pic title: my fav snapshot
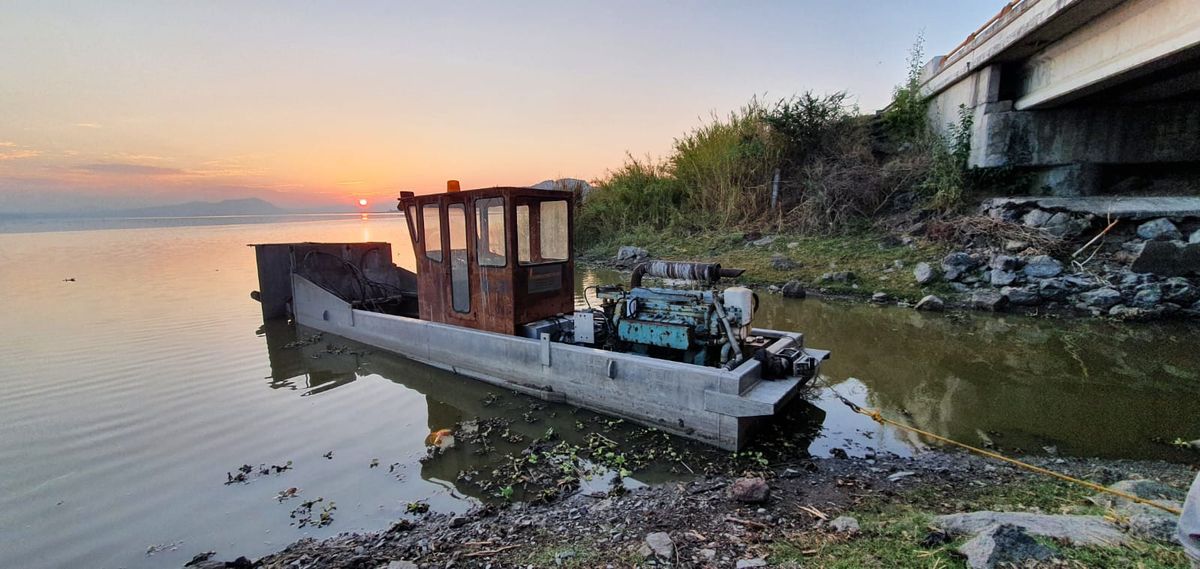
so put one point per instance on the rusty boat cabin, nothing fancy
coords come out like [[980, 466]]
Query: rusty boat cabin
[[494, 258], [493, 299]]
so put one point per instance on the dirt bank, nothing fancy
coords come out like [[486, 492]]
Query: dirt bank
[[703, 523]]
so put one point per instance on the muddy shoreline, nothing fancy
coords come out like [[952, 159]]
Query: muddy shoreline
[[713, 522]]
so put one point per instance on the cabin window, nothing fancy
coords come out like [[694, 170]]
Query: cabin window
[[410, 216], [553, 233], [489, 232], [523, 249], [460, 285], [432, 223]]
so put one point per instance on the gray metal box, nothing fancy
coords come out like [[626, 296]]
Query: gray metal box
[[585, 328]]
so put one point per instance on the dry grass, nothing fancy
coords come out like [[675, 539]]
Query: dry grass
[[983, 230]]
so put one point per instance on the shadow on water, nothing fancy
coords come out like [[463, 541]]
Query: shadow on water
[[313, 363]]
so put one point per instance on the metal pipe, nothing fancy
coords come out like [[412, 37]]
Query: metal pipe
[[699, 272], [737, 348]]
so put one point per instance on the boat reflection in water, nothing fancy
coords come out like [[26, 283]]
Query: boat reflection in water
[[304, 360]]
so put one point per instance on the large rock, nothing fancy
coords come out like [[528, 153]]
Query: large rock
[[1004, 262], [1159, 229], [1036, 218], [1021, 296], [751, 490], [1194, 237], [1074, 530], [988, 300], [924, 273], [1168, 259], [1001, 277], [1053, 289], [1148, 295], [956, 264], [1102, 298], [1065, 225], [1043, 267], [660, 544], [1143, 520], [1003, 545], [631, 254], [931, 303], [1180, 291], [793, 289]]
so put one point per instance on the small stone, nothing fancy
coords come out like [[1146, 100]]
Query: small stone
[[1052, 289], [1000, 277], [1042, 267], [750, 563], [1003, 545], [708, 554], [763, 242], [988, 300], [1160, 229], [401, 565], [660, 545], [880, 298], [751, 490], [793, 289], [1102, 298], [838, 276], [1180, 291], [793, 244], [630, 253], [1194, 237], [781, 263], [1015, 246], [1004, 263], [958, 263], [923, 273], [1036, 218], [844, 524], [931, 303]]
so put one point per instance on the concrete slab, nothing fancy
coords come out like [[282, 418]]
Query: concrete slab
[[1117, 207]]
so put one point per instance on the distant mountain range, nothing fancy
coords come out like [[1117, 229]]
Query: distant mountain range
[[248, 206]]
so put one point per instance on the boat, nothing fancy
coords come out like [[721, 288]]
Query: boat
[[493, 299]]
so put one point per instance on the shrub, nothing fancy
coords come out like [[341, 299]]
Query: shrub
[[906, 117], [726, 166], [640, 193]]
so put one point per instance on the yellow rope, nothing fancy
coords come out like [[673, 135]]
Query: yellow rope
[[879, 418]]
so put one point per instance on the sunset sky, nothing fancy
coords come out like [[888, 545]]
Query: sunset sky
[[125, 104]]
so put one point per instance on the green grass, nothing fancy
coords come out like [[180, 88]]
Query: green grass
[[892, 532], [867, 255]]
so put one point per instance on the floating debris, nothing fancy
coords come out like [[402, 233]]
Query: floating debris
[[174, 545], [244, 472], [417, 507], [287, 494], [304, 514]]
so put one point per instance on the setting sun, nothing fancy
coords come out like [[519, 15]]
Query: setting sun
[[362, 202]]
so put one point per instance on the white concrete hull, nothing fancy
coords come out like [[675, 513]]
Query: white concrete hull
[[707, 404]]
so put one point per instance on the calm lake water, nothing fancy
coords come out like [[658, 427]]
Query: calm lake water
[[127, 395]]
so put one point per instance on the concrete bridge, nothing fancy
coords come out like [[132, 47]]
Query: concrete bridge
[[1095, 96]]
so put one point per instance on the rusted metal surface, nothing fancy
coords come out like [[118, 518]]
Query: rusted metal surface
[[501, 297]]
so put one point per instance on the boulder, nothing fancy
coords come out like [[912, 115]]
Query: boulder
[[1042, 267], [931, 303], [1022, 296], [1160, 229], [1072, 529], [1053, 289], [793, 289], [751, 490], [1180, 291], [1004, 262], [988, 300], [1168, 258], [1148, 295], [1036, 218], [924, 273], [1003, 545], [660, 545], [844, 524], [956, 264], [1102, 298], [631, 254], [1001, 277], [781, 263]]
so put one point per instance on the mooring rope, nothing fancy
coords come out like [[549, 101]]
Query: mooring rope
[[879, 418]]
